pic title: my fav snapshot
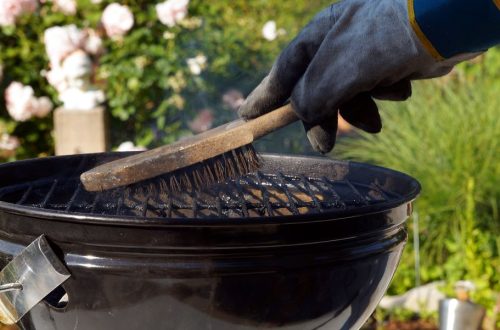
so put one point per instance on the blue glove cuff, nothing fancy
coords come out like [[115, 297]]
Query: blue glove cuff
[[452, 27]]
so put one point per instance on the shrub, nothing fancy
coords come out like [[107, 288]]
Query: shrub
[[447, 136], [151, 92]]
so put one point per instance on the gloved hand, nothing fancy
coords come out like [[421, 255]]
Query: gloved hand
[[350, 53]]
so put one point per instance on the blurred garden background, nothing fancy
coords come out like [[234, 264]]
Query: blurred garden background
[[167, 69]]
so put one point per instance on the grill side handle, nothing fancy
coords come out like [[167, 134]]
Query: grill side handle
[[28, 278]]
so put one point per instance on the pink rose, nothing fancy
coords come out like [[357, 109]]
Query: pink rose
[[41, 107], [172, 11], [8, 145], [22, 104], [18, 98], [67, 7], [10, 10], [93, 43], [60, 41], [202, 122], [117, 20], [28, 6], [233, 99], [8, 142]]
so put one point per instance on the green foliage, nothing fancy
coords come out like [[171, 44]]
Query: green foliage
[[151, 94], [447, 136], [400, 314]]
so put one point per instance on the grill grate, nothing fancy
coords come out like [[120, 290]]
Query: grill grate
[[255, 195]]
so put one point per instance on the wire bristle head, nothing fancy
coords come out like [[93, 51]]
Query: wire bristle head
[[229, 165]]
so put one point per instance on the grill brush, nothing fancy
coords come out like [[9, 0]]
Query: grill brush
[[195, 162]]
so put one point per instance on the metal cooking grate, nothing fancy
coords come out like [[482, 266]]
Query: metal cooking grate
[[254, 195]]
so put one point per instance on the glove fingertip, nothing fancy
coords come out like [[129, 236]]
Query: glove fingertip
[[322, 147], [323, 137], [362, 112], [372, 128]]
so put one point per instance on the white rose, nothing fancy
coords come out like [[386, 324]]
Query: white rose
[[197, 64], [172, 11], [61, 41], [129, 146], [117, 20], [271, 32]]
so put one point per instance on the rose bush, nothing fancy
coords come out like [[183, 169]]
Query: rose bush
[[164, 68]]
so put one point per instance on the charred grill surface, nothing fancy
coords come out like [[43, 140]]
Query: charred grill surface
[[285, 186], [254, 195]]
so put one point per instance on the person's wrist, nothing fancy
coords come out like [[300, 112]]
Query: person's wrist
[[454, 29], [419, 33]]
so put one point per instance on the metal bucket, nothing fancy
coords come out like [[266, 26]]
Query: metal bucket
[[460, 315]]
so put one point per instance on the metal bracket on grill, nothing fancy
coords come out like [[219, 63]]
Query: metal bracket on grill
[[28, 278]]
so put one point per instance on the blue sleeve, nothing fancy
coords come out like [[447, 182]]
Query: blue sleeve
[[451, 27]]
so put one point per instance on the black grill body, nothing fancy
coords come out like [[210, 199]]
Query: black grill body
[[306, 243]]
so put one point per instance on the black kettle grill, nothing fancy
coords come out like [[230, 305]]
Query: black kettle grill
[[305, 243]]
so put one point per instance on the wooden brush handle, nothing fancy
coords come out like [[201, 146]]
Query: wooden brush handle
[[184, 153], [271, 121]]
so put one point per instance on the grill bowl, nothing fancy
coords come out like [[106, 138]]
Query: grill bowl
[[307, 243]]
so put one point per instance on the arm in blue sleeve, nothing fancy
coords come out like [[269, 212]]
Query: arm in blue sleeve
[[452, 27]]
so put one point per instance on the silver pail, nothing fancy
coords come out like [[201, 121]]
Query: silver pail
[[460, 315]]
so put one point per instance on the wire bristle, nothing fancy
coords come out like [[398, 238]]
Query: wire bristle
[[229, 165]]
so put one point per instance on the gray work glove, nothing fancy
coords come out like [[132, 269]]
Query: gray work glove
[[350, 53]]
